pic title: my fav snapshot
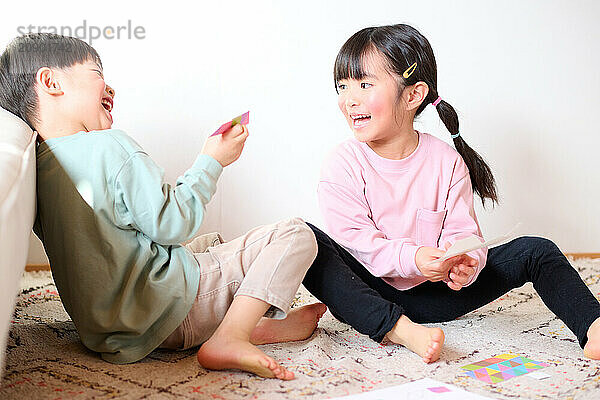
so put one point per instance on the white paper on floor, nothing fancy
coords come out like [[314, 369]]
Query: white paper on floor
[[538, 375], [422, 389]]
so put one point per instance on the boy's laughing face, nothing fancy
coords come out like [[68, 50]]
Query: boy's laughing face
[[88, 100]]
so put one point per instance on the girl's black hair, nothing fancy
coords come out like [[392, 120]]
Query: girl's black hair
[[401, 46], [24, 56]]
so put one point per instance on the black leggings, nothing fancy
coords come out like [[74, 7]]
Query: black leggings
[[372, 307]]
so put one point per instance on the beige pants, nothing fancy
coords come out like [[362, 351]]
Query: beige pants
[[267, 263]]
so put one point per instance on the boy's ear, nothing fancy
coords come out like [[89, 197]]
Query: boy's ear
[[47, 81], [416, 95]]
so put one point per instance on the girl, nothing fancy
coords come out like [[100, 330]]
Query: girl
[[392, 196]]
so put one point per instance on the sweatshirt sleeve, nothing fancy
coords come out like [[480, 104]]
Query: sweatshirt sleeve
[[461, 221], [348, 219], [167, 215]]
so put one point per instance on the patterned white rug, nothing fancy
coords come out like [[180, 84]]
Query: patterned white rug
[[45, 358]]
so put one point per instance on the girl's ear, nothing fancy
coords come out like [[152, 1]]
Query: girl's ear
[[416, 94], [47, 81]]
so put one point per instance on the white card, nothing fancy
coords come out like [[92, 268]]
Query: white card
[[537, 375], [471, 243]]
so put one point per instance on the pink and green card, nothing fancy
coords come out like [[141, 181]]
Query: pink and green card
[[240, 119], [502, 368]]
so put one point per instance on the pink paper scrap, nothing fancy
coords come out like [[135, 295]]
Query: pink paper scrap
[[241, 119], [439, 389]]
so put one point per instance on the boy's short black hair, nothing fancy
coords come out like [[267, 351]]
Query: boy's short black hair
[[24, 56]]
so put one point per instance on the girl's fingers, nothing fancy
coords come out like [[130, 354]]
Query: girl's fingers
[[457, 260], [462, 269], [470, 260], [467, 270], [449, 264], [455, 278], [464, 259], [460, 279], [460, 275]]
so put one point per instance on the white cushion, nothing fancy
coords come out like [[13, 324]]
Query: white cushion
[[17, 212]]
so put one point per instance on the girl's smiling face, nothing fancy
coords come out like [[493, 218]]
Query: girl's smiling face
[[371, 104]]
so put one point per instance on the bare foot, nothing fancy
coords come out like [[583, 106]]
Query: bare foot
[[592, 347], [299, 324], [426, 342], [226, 353]]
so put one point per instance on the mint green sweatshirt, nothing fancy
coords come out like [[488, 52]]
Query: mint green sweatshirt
[[112, 229]]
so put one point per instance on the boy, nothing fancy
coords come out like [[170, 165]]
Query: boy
[[112, 229]]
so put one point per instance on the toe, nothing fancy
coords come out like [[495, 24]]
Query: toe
[[265, 362], [273, 366], [280, 372], [288, 375]]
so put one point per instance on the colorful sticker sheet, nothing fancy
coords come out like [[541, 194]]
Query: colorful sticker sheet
[[240, 119], [502, 368]]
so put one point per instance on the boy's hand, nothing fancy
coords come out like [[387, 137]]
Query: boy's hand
[[226, 148]]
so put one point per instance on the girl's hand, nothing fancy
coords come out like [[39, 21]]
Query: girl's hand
[[462, 270], [226, 148], [433, 272], [461, 274], [456, 271]]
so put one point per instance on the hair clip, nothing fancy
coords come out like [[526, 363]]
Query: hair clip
[[409, 71]]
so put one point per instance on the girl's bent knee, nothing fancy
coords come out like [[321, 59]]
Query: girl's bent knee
[[542, 246], [539, 250]]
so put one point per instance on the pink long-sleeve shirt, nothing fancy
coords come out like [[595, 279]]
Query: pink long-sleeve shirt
[[382, 211]]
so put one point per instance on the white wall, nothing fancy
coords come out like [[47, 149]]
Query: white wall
[[523, 76]]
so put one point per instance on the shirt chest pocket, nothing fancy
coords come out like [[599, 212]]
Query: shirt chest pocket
[[429, 227]]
